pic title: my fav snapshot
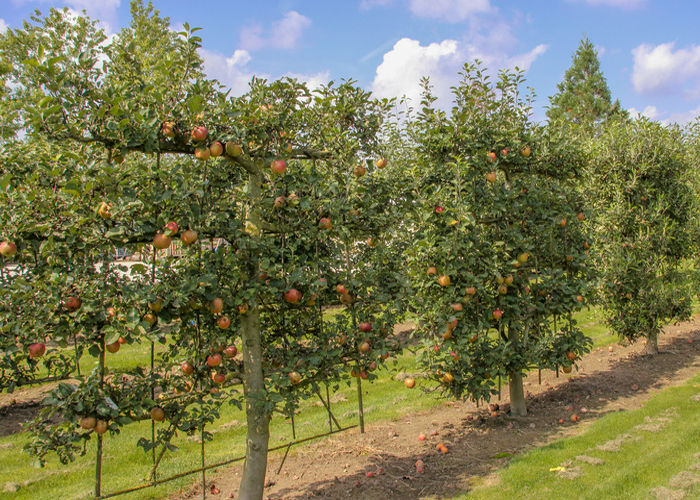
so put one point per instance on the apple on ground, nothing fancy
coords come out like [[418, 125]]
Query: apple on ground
[[410, 383]]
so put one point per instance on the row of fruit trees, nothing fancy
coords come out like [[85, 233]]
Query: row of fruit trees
[[487, 229]]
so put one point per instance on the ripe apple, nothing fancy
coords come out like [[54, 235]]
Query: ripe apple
[[571, 355], [150, 318], [218, 378], [278, 166], [566, 369], [410, 383], [456, 307], [508, 280], [454, 355], [168, 129], [295, 378], [448, 334], [586, 245], [72, 304], [492, 176], [101, 426], [223, 322], [188, 237], [325, 223], [157, 414], [293, 296], [161, 242], [122, 340], [231, 351], [198, 134], [353, 212], [470, 290], [569, 258], [447, 378], [472, 338], [522, 257], [561, 222], [202, 153], [157, 305], [365, 326], [525, 151], [103, 211], [279, 202], [173, 227], [113, 347], [359, 170], [341, 289], [8, 249], [364, 346], [579, 298], [491, 156], [187, 368], [497, 314], [574, 418], [444, 280], [381, 163], [88, 423], [345, 298], [216, 149], [452, 324], [214, 359], [37, 350], [111, 312], [233, 149], [439, 210], [432, 271], [216, 306], [243, 308]]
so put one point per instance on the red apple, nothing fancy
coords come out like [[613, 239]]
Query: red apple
[[364, 346], [279, 202], [471, 290], [410, 383], [325, 223], [341, 289], [439, 210], [113, 347], [233, 149], [456, 307], [173, 227], [37, 350], [216, 306], [187, 368], [581, 216], [381, 163], [157, 414], [294, 378], [293, 296], [101, 427], [8, 249], [199, 133], [218, 378], [214, 359], [365, 326], [491, 156], [497, 314], [278, 166], [359, 170], [188, 237], [223, 322], [444, 280], [492, 176], [72, 304], [216, 149], [202, 153], [231, 351], [161, 242]]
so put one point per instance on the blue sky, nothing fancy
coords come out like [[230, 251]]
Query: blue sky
[[649, 49]]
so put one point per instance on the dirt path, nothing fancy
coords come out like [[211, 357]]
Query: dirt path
[[337, 468]]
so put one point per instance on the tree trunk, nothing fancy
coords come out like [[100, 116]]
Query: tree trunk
[[257, 416], [652, 347], [515, 382]]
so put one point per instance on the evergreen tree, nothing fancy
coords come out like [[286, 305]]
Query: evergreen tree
[[584, 96]]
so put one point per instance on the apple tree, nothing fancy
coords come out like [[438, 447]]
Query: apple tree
[[499, 262], [638, 188], [282, 204]]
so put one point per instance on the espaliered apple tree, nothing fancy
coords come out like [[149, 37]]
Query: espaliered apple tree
[[499, 263], [280, 200], [638, 187]]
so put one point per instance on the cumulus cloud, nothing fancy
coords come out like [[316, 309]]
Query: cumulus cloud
[[652, 113], [403, 67], [662, 69], [103, 10], [622, 4], [231, 71], [649, 112], [283, 34], [3, 26], [313, 82]]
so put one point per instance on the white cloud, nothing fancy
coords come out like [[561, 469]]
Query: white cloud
[[103, 10], [652, 113], [231, 71], [660, 69], [283, 34], [649, 112], [3, 26], [312, 81], [402, 68], [622, 4]]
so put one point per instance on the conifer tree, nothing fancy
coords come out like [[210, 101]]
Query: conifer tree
[[583, 97]]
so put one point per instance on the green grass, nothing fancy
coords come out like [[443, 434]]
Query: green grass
[[640, 465], [126, 465]]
